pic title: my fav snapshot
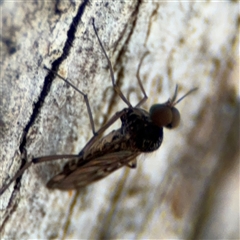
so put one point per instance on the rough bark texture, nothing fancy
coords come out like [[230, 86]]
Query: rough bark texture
[[189, 188]]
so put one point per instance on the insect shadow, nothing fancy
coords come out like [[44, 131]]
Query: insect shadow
[[140, 132]]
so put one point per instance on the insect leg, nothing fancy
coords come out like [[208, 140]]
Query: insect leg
[[35, 161], [83, 94], [145, 97], [18, 174], [53, 157], [116, 88]]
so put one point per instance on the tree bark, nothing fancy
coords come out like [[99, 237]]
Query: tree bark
[[177, 192]]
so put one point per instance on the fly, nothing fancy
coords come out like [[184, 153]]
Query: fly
[[141, 132]]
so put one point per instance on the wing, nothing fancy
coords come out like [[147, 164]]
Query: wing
[[78, 176]]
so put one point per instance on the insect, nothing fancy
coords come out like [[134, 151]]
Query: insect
[[140, 132]]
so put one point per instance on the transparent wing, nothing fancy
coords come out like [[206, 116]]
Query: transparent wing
[[75, 176]]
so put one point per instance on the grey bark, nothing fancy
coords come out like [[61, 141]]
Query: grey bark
[[177, 192]]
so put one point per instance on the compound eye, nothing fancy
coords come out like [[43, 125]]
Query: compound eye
[[175, 119], [161, 115]]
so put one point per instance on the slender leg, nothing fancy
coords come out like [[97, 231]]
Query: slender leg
[[145, 97], [116, 88], [85, 99], [18, 174]]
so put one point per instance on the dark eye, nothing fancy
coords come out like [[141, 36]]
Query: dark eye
[[161, 115]]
